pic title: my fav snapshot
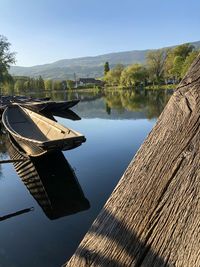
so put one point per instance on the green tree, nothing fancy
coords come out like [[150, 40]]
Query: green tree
[[57, 85], [27, 85], [33, 84], [8, 87], [133, 75], [183, 50], [106, 68], [19, 86], [113, 76], [177, 67], [155, 64], [168, 66], [70, 84], [48, 84], [6, 58], [188, 61], [40, 83], [175, 61]]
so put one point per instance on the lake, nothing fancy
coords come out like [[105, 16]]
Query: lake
[[48, 204]]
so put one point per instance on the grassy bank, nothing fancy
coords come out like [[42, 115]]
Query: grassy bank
[[158, 87]]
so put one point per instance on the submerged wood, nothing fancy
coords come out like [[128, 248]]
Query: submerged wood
[[152, 218]]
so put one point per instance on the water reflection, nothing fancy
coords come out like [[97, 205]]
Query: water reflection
[[115, 129], [149, 102], [3, 149], [66, 114], [115, 104], [14, 214], [51, 181], [123, 104]]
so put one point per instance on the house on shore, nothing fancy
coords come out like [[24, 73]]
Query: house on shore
[[89, 82]]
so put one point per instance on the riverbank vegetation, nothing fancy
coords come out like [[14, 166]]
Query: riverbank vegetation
[[162, 67], [6, 58]]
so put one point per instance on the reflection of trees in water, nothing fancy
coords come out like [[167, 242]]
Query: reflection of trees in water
[[3, 150], [84, 95], [113, 101], [156, 101], [87, 95], [133, 101], [108, 109], [147, 102], [150, 102]]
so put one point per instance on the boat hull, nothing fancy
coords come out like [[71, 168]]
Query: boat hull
[[36, 149], [49, 106]]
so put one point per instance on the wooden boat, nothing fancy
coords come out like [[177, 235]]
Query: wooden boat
[[37, 104], [22, 98], [37, 134], [49, 105]]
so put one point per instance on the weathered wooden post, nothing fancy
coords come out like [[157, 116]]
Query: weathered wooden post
[[153, 216]]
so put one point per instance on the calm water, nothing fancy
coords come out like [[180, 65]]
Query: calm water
[[65, 203]]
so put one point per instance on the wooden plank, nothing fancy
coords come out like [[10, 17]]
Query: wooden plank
[[152, 217]]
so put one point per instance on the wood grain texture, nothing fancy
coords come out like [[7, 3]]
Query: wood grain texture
[[152, 218]]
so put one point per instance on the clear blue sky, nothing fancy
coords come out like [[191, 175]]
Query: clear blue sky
[[43, 31]]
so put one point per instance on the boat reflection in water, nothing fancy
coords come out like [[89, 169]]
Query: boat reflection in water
[[66, 114], [16, 213], [51, 181]]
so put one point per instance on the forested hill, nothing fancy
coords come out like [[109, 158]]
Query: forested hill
[[83, 67]]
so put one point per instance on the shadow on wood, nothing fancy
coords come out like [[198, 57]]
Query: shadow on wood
[[152, 216], [121, 237]]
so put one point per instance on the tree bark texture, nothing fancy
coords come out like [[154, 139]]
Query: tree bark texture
[[152, 218]]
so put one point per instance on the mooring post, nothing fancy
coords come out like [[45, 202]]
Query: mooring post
[[152, 218]]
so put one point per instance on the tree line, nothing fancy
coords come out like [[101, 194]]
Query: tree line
[[162, 66], [20, 84], [6, 58]]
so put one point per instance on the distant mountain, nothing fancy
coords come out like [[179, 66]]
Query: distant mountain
[[84, 66]]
